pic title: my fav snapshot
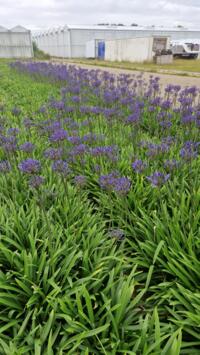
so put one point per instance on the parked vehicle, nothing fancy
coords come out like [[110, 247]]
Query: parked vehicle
[[185, 49]]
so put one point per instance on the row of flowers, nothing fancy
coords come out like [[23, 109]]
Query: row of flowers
[[98, 120]]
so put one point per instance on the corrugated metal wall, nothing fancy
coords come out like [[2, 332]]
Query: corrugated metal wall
[[71, 41], [15, 43]]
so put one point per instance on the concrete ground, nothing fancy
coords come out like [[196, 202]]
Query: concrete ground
[[165, 79]]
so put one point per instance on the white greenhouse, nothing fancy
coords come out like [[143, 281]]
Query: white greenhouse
[[73, 41], [15, 43]]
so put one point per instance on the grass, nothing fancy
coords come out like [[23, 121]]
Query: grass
[[67, 286], [179, 66]]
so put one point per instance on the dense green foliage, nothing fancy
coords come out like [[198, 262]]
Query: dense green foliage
[[66, 285]]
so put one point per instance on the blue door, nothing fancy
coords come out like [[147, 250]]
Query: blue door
[[101, 50]]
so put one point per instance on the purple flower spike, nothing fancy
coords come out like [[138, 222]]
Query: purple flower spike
[[122, 186], [30, 166], [35, 181], [166, 104], [53, 153], [80, 181], [156, 149], [58, 135], [42, 109], [110, 152], [13, 131], [16, 111], [112, 182], [78, 150], [189, 150], [9, 144], [27, 147], [108, 181], [28, 123], [61, 167], [139, 166], [74, 140], [158, 179], [5, 166], [117, 234]]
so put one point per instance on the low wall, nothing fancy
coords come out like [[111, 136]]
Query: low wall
[[164, 59]]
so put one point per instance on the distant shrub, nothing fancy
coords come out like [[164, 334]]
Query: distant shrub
[[38, 53]]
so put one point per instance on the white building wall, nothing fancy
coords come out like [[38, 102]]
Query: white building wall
[[131, 50], [60, 43], [51, 43], [57, 43], [66, 44], [90, 50]]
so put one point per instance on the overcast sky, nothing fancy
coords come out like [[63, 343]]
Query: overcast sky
[[36, 14]]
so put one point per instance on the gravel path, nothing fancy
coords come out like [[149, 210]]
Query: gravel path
[[165, 79]]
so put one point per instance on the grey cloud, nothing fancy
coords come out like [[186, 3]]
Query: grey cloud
[[47, 13]]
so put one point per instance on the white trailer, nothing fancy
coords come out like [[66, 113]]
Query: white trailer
[[186, 48]]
